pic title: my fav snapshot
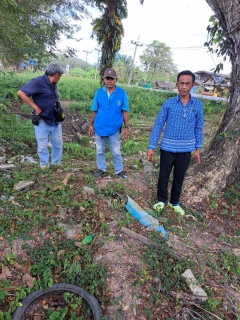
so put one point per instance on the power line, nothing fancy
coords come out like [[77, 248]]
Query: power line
[[126, 50], [137, 44], [87, 53], [126, 44], [184, 48], [98, 50]]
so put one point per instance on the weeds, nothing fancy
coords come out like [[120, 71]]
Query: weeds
[[233, 194], [34, 213]]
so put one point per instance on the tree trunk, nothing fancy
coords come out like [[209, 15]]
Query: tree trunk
[[220, 165]]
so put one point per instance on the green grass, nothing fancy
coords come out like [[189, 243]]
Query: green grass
[[36, 211], [141, 101]]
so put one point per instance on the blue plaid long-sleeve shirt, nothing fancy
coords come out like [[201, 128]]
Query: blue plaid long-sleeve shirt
[[183, 126]]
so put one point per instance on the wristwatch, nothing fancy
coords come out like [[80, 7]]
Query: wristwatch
[[127, 127]]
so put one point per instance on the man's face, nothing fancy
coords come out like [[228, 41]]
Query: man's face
[[110, 82], [184, 85], [56, 78]]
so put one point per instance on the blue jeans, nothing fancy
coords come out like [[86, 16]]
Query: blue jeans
[[114, 144], [42, 134]]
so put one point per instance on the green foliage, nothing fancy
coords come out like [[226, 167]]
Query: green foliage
[[82, 107], [33, 28], [213, 107], [157, 62], [230, 264], [122, 68], [146, 102], [77, 72], [161, 264], [108, 30], [59, 260], [212, 304], [232, 194], [141, 101], [77, 89], [75, 150], [17, 133], [73, 62], [131, 147], [217, 37], [73, 303], [10, 83], [69, 269]]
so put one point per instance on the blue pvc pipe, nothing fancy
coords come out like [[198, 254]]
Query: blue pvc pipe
[[143, 217]]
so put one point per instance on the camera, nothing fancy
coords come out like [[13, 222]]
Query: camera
[[36, 119]]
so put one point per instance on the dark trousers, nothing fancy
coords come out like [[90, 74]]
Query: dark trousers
[[168, 160]]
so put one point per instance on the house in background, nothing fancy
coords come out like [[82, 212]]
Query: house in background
[[211, 83], [165, 85], [198, 86], [206, 75]]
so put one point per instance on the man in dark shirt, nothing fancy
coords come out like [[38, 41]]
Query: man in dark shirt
[[42, 104]]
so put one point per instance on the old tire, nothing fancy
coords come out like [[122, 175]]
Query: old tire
[[59, 289]]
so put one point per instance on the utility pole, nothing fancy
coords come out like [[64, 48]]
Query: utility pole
[[136, 45], [87, 52], [98, 50]]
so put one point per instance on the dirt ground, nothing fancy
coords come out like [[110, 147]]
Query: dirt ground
[[122, 264], [204, 235]]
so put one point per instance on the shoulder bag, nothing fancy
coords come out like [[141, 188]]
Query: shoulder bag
[[57, 107]]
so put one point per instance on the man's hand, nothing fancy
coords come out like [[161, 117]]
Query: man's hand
[[90, 130], [125, 133], [150, 154], [196, 156], [37, 110]]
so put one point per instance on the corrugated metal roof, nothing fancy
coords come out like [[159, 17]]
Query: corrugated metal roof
[[213, 74], [166, 85]]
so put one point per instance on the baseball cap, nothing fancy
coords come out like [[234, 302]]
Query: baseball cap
[[110, 73]]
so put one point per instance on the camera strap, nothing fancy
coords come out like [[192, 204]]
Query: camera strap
[[52, 91]]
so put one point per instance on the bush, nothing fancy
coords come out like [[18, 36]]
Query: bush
[[141, 101]]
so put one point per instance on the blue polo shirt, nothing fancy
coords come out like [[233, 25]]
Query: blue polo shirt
[[183, 126], [109, 117], [40, 92]]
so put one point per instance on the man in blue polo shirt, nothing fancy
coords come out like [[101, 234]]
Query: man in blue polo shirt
[[109, 111], [182, 117], [42, 104]]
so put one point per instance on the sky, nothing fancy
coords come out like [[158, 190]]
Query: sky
[[180, 24]]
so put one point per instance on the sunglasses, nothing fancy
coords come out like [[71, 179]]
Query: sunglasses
[[109, 78]]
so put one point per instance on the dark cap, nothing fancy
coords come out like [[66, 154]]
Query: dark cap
[[110, 73]]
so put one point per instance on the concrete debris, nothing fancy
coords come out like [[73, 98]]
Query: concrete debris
[[28, 159], [113, 224], [236, 251], [3, 160], [194, 285], [84, 127], [78, 137], [4, 167], [2, 150], [147, 166], [88, 190], [71, 232], [23, 185], [62, 212]]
